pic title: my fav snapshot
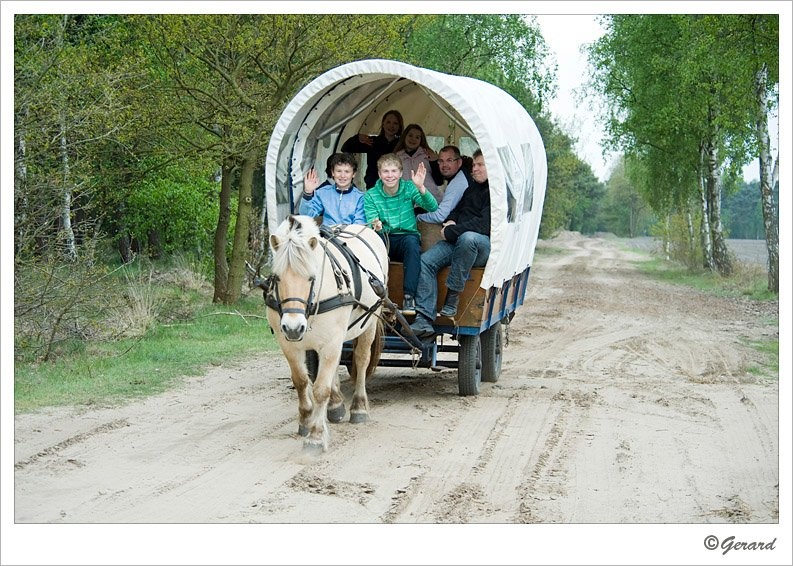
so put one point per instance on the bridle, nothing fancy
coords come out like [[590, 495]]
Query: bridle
[[273, 297], [348, 284]]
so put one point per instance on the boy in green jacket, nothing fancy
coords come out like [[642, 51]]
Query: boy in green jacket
[[388, 207]]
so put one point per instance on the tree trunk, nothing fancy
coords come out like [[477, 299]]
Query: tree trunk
[[221, 231], [20, 186], [721, 255], [704, 227], [124, 248], [70, 248], [767, 182], [240, 249], [692, 237], [154, 244]]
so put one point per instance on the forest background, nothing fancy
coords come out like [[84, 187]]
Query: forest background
[[141, 138]]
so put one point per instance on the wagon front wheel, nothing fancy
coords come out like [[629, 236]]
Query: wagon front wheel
[[492, 350], [469, 365]]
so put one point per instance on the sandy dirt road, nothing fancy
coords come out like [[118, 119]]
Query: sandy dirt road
[[622, 400]]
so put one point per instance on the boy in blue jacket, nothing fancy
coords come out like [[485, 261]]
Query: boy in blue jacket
[[339, 202]]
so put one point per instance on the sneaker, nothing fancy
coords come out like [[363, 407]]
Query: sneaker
[[422, 326], [409, 306], [450, 304]]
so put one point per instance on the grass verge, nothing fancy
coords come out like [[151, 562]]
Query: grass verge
[[111, 372], [747, 280], [770, 351]]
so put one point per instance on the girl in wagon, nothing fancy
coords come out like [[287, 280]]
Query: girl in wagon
[[413, 149]]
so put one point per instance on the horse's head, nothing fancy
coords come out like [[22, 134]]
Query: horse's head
[[295, 270]]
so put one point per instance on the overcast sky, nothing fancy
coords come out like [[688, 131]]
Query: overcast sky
[[565, 35]]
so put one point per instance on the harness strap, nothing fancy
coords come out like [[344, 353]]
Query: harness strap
[[352, 261], [355, 288]]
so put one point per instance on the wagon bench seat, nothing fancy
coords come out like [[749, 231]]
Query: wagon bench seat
[[471, 311]]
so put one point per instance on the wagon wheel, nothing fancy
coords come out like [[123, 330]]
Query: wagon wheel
[[312, 364], [469, 365], [492, 351]]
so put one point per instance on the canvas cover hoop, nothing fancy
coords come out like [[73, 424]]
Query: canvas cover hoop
[[352, 98]]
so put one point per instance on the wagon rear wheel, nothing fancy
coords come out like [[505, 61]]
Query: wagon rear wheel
[[469, 365], [492, 349]]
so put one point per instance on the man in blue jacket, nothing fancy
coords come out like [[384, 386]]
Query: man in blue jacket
[[465, 244], [339, 202]]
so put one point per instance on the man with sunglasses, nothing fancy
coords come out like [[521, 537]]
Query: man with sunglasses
[[450, 164]]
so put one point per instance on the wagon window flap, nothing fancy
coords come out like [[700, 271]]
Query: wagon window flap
[[519, 179]]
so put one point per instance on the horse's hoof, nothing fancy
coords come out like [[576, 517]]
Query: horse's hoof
[[336, 415], [302, 430], [312, 449], [358, 418]]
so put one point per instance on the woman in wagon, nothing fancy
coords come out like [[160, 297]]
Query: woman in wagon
[[389, 209], [465, 244], [413, 149], [339, 202], [376, 146]]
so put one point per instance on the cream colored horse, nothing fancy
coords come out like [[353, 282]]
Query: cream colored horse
[[318, 298]]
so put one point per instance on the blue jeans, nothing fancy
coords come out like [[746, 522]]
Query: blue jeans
[[470, 250], [407, 249]]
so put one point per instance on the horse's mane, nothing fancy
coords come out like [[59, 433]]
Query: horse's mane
[[294, 250]]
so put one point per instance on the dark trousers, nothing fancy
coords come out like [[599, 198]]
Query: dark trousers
[[407, 249]]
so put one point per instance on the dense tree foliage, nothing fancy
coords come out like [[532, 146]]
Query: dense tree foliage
[[682, 97], [506, 50]]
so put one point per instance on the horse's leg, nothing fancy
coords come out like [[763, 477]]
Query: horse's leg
[[317, 440], [336, 409], [305, 400], [359, 409]]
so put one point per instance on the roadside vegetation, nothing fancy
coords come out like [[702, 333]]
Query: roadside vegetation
[[154, 324], [747, 280]]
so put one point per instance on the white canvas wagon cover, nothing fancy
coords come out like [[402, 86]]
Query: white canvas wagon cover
[[352, 98]]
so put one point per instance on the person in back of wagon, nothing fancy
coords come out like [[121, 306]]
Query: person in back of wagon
[[339, 202], [465, 244], [450, 163], [389, 209], [413, 149], [376, 146]]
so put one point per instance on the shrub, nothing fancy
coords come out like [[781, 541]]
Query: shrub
[[180, 208]]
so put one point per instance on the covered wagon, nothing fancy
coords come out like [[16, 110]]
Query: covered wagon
[[461, 111]]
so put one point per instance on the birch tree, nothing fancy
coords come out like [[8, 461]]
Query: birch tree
[[680, 95]]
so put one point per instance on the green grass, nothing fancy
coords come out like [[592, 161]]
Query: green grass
[[747, 281], [549, 250], [111, 372], [770, 349]]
